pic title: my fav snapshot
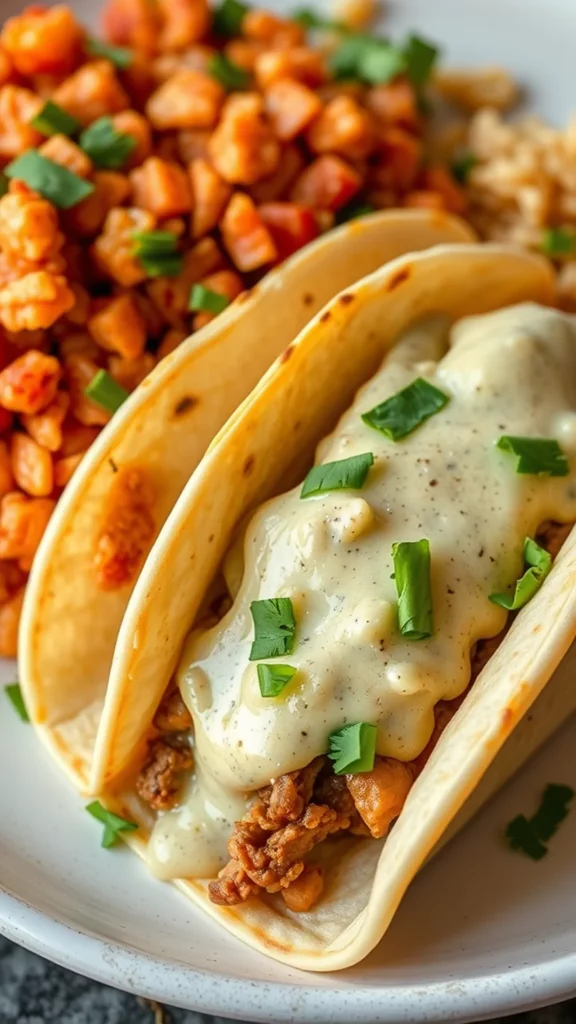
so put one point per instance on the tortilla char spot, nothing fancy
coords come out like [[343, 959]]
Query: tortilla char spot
[[347, 298], [325, 317], [399, 278], [210, 538], [248, 465], [537, 628], [286, 354], [307, 298], [297, 425], [184, 405]]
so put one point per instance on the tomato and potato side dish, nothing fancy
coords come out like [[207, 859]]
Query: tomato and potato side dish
[[150, 178]]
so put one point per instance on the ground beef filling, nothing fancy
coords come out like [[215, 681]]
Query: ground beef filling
[[297, 811]]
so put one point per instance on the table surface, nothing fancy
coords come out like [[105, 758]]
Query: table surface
[[33, 991]]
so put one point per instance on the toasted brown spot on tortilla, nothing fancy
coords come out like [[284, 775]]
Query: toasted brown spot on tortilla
[[325, 317], [248, 465], [184, 405], [307, 298], [398, 278], [210, 538], [347, 298], [286, 354], [537, 628]]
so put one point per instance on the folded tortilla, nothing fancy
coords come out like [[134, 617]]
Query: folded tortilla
[[131, 477], [267, 446]]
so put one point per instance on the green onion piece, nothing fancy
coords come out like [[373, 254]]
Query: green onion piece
[[274, 628], [412, 577], [530, 835], [203, 300], [3, 184], [420, 57], [228, 18], [228, 74], [406, 410], [107, 148], [52, 120], [380, 63], [344, 475], [157, 252], [106, 392], [14, 694], [310, 19], [540, 562], [113, 823], [552, 811], [521, 836], [56, 183], [352, 210], [462, 165], [273, 678], [353, 748], [344, 61], [119, 56], [558, 242], [539, 456]]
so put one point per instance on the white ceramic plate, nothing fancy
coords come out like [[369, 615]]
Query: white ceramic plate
[[482, 931]]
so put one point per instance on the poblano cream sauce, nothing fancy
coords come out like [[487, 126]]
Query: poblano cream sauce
[[511, 372]]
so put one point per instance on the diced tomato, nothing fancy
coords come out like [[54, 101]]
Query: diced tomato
[[327, 184], [290, 225], [246, 237], [291, 107]]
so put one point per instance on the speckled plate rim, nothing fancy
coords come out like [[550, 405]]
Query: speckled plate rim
[[485, 997]]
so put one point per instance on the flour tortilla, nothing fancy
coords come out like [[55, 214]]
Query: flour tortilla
[[69, 624], [265, 447]]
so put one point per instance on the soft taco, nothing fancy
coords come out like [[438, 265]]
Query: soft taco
[[118, 500], [305, 692]]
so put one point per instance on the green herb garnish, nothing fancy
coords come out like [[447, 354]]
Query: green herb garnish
[[52, 120], [113, 823], [406, 410], [228, 74], [310, 20], [558, 242], [203, 300], [106, 391], [462, 165], [344, 61], [107, 148], [274, 628], [344, 475], [157, 252], [55, 183], [273, 678], [119, 56], [353, 748], [539, 456], [420, 57], [376, 61], [380, 63], [14, 694], [228, 18], [540, 562], [412, 577], [352, 210], [530, 834]]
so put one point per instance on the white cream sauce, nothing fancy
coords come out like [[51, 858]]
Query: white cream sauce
[[510, 372]]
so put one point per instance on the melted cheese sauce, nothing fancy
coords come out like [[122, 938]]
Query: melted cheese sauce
[[510, 372]]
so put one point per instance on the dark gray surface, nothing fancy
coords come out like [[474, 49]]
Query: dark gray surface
[[33, 991]]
